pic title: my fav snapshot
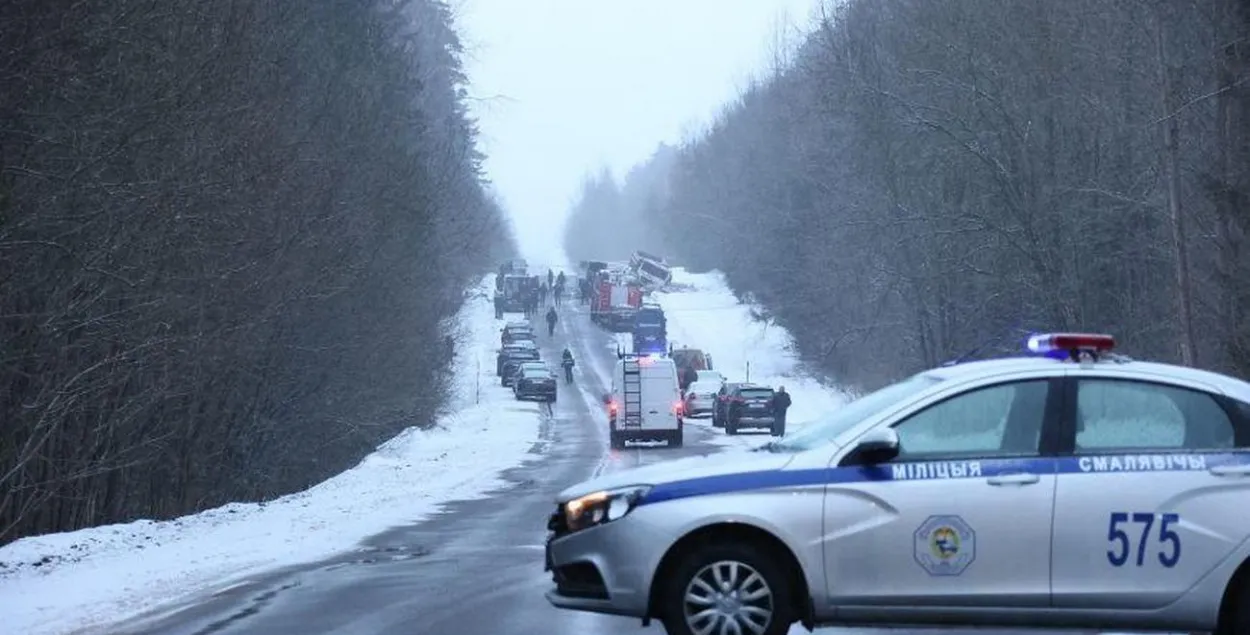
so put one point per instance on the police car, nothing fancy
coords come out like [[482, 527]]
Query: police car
[[1074, 488]]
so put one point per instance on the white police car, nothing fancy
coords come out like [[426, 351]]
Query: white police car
[[1076, 488]]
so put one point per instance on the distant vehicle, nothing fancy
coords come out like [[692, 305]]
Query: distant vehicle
[[615, 304], [516, 331], [644, 403], [701, 398], [710, 376], [513, 291], [720, 410], [1075, 489], [514, 354], [534, 381], [689, 358], [750, 406], [652, 271], [650, 330]]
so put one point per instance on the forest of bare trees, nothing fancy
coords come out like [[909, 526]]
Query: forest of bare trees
[[588, 237], [922, 178], [229, 233]]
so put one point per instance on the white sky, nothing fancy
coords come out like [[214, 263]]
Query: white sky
[[564, 87]]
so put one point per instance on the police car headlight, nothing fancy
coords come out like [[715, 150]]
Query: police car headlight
[[603, 507]]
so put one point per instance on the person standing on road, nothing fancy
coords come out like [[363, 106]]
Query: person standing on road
[[542, 294], [551, 321], [567, 362], [551, 277], [559, 293], [781, 403]]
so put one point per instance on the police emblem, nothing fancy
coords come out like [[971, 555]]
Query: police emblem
[[945, 545]]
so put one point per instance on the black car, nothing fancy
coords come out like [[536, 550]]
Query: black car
[[533, 382], [720, 410], [512, 369], [511, 364], [523, 350], [749, 406], [515, 332]]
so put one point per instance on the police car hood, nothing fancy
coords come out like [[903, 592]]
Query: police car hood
[[679, 470]]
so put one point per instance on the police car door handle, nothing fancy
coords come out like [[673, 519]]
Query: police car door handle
[[1231, 470], [1014, 479]]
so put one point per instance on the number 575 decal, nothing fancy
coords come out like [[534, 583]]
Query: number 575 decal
[[1130, 534]]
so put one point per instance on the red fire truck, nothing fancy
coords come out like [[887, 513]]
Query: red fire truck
[[615, 303]]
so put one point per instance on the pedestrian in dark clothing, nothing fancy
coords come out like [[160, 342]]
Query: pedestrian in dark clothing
[[781, 403], [559, 293], [542, 294], [560, 280], [551, 321], [567, 362], [550, 278]]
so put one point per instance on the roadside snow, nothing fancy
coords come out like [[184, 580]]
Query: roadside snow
[[703, 313], [60, 583]]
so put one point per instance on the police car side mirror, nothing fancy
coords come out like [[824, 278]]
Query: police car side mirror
[[876, 446]]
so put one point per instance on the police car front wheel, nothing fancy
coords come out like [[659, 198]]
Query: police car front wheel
[[727, 589]]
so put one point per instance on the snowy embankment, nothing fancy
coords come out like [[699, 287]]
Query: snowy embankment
[[64, 582], [703, 313]]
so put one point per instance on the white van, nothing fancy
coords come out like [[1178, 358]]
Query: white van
[[645, 402]]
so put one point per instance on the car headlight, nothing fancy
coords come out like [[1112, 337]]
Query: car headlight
[[602, 507]]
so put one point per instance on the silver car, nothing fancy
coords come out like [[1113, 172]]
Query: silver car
[[701, 397], [1075, 489]]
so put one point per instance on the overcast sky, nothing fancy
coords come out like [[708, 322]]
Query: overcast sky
[[564, 87]]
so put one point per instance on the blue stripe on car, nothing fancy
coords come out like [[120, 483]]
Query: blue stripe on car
[[941, 470]]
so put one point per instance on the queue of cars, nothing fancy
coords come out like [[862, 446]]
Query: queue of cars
[[519, 364], [1070, 488]]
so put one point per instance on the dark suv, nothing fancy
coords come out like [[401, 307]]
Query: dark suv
[[720, 409], [750, 406]]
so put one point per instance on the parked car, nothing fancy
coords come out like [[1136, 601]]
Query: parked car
[[701, 397], [750, 406], [519, 351], [721, 408], [534, 381]]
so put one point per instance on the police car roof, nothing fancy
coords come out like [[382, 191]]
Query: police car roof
[[1230, 386]]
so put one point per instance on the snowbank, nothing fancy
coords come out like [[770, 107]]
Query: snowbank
[[64, 582], [703, 313]]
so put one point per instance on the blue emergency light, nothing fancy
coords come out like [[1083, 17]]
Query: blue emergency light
[[1070, 345]]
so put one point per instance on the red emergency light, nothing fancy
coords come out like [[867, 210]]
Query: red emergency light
[[1066, 345]]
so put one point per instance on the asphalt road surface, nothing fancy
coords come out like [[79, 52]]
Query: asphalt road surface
[[476, 569]]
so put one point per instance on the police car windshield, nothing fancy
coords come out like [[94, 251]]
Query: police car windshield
[[825, 430]]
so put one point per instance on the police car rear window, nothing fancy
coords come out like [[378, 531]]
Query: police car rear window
[[761, 393]]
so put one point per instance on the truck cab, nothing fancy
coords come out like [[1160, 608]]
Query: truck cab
[[645, 402], [650, 330]]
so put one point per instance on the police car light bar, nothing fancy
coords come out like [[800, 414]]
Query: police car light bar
[[1070, 343]]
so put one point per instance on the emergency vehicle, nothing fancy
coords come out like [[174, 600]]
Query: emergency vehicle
[[1071, 489], [650, 329], [615, 303], [644, 403]]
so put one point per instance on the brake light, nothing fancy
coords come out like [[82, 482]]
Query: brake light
[[612, 406], [677, 407], [1069, 345]]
